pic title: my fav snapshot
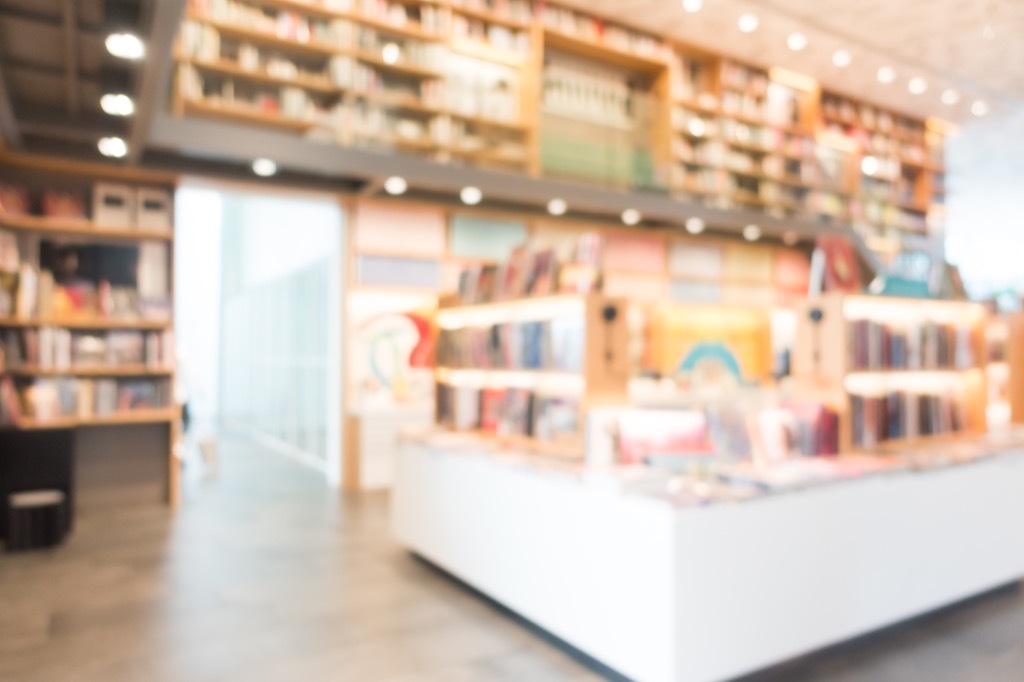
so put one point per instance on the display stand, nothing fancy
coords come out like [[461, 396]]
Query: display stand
[[661, 593]]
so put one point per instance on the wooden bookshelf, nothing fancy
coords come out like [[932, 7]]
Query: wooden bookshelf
[[825, 350], [717, 88], [78, 227]]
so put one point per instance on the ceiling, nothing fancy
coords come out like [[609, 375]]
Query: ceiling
[[943, 41]]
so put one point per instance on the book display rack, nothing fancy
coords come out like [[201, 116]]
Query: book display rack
[[536, 88], [900, 369], [86, 323]]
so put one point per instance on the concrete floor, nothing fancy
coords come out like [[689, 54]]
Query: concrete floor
[[264, 574]]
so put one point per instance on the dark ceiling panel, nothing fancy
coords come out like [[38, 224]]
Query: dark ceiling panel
[[24, 40], [35, 88], [42, 8]]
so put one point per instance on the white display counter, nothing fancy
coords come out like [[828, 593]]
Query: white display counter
[[663, 592]]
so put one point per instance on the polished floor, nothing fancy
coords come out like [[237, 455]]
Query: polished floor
[[265, 575]]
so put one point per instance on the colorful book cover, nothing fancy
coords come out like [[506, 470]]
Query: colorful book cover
[[491, 404], [841, 269], [647, 433]]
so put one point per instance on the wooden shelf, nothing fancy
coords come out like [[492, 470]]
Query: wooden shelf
[[243, 114], [267, 39], [228, 67], [484, 52], [85, 323], [402, 68], [696, 106], [403, 103], [74, 227], [509, 126], [488, 16], [592, 49], [116, 419], [410, 29], [92, 371]]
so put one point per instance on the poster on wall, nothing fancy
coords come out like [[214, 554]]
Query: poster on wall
[[390, 363]]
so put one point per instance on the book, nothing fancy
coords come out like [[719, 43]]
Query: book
[[647, 433], [841, 271]]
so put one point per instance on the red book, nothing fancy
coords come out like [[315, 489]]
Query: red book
[[491, 402], [842, 271]]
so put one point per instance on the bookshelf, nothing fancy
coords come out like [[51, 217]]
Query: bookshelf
[[899, 369], [86, 291], [526, 370], [545, 89]]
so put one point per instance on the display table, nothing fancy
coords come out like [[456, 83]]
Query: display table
[[658, 591]]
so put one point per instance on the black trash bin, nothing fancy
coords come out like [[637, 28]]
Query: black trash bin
[[36, 519]]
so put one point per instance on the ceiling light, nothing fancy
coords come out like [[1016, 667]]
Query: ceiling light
[[796, 41], [869, 165], [117, 105], [557, 207], [950, 96], [751, 233], [631, 216], [695, 225], [391, 53], [748, 23], [693, 5], [264, 168], [395, 185], [886, 75], [790, 238], [471, 196], [841, 58], [114, 147], [125, 46], [979, 108], [917, 85], [697, 127]]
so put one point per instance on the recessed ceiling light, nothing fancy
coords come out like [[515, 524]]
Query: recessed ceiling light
[[471, 196], [979, 108], [395, 185], [697, 127], [869, 165], [264, 168], [114, 147], [693, 5], [557, 207], [917, 85], [695, 225], [950, 96], [631, 216], [841, 58], [748, 23], [790, 238], [125, 46], [886, 75], [117, 104], [796, 41], [751, 233], [391, 53]]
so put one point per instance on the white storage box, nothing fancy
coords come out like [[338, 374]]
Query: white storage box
[[113, 205], [153, 209]]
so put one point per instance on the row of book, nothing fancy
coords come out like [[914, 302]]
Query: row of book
[[588, 93], [588, 27], [99, 280], [916, 346], [53, 348], [766, 436], [904, 414], [556, 345], [526, 273], [508, 412], [53, 399]]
